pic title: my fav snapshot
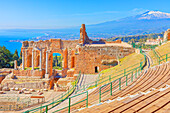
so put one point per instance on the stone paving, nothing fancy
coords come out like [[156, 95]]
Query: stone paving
[[85, 79]]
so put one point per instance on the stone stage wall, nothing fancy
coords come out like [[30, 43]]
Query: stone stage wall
[[82, 55]]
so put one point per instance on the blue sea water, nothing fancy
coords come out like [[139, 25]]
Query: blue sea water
[[7, 35]]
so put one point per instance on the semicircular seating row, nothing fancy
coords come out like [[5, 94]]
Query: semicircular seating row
[[141, 95], [150, 93]]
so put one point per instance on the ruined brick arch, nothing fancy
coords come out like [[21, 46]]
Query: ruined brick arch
[[115, 63], [50, 59], [82, 54], [52, 56]]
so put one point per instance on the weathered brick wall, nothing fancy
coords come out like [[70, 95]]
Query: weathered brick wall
[[70, 73], [54, 45], [86, 60], [89, 57], [29, 73], [70, 44]]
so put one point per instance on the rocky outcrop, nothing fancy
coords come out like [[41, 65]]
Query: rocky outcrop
[[167, 35]]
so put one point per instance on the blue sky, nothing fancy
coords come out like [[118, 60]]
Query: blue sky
[[49, 14]]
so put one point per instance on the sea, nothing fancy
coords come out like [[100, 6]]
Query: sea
[[11, 39]]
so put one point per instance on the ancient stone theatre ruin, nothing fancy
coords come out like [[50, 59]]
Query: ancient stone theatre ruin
[[83, 55]]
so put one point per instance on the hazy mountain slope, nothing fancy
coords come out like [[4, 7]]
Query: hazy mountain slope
[[148, 22]]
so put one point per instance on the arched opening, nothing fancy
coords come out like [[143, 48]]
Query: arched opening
[[57, 61], [115, 63], [96, 69], [57, 64]]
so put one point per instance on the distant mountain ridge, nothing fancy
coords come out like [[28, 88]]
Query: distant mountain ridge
[[154, 15], [148, 22]]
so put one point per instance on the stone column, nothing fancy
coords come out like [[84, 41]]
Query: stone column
[[15, 64], [46, 66], [65, 58], [26, 56], [23, 60], [40, 60], [32, 59]]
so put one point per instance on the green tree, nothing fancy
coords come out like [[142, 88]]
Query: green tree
[[15, 55], [19, 61], [6, 59]]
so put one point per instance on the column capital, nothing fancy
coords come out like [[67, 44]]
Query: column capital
[[48, 51]]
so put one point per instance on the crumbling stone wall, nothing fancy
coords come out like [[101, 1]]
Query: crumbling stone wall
[[82, 54], [51, 46], [84, 39], [29, 73], [90, 57]]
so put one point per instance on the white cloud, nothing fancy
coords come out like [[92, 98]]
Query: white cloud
[[137, 11]]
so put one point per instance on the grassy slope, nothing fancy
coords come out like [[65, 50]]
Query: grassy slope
[[161, 50], [154, 58], [125, 62]]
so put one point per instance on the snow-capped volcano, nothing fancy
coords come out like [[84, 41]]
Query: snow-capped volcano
[[148, 22], [154, 15]]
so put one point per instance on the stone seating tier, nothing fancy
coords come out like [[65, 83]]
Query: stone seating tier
[[155, 78]]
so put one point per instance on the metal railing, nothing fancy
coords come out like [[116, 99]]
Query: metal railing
[[69, 103], [108, 78], [15, 104], [55, 101], [128, 77], [134, 74], [125, 73], [161, 58], [120, 82]]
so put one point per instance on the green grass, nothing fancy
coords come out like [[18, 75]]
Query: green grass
[[91, 87], [30, 68], [57, 67], [125, 62], [154, 58], [161, 50]]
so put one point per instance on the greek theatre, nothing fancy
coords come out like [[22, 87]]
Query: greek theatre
[[83, 55]]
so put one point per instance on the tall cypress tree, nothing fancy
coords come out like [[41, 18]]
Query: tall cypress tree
[[20, 59], [15, 55], [6, 58]]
